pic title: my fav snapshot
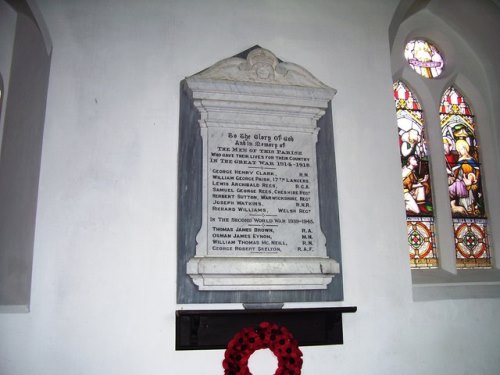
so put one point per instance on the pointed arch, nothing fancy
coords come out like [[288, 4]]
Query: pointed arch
[[467, 204], [26, 70], [416, 178]]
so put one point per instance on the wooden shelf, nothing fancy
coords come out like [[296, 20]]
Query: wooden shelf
[[212, 329]]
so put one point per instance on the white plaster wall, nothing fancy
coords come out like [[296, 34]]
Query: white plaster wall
[[103, 294]]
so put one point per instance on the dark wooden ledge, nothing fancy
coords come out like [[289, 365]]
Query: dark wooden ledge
[[212, 329]]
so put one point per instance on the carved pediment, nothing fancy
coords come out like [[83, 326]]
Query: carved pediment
[[261, 66]]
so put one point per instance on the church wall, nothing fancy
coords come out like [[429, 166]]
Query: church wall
[[103, 296]]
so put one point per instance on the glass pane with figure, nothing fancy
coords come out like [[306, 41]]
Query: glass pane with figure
[[424, 58], [415, 173], [465, 190]]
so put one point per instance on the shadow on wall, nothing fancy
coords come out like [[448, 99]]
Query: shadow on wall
[[20, 153]]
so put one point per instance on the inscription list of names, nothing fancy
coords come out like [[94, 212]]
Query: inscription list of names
[[262, 193]]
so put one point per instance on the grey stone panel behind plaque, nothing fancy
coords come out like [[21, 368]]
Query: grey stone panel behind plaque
[[189, 190], [189, 214], [328, 199]]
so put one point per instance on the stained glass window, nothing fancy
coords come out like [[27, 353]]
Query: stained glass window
[[465, 190], [424, 58], [415, 173]]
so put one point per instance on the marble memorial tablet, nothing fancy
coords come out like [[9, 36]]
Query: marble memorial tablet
[[262, 194], [260, 220]]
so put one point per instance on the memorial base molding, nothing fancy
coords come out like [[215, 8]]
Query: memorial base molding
[[252, 273]]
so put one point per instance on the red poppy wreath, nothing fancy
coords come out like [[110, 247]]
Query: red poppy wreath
[[266, 335]]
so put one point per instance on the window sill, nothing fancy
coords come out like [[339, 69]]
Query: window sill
[[431, 285], [14, 309]]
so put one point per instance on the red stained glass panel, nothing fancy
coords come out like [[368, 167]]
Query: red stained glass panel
[[461, 151], [422, 242], [471, 243], [416, 179]]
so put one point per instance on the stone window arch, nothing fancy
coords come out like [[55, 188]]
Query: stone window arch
[[26, 55], [469, 66]]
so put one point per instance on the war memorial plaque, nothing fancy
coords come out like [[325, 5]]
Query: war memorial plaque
[[260, 206]]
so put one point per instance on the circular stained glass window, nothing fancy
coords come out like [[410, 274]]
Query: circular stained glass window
[[424, 58]]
